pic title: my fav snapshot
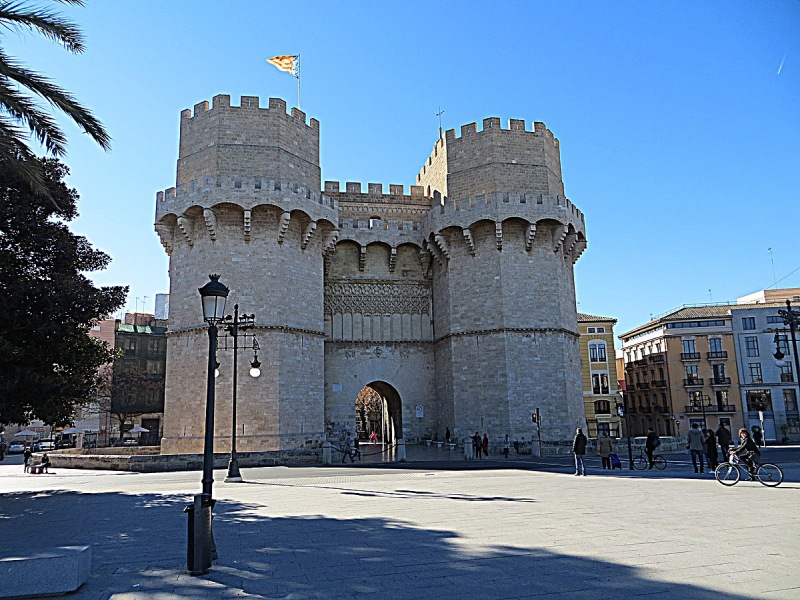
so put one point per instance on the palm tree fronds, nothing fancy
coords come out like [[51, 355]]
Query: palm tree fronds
[[16, 15], [57, 97]]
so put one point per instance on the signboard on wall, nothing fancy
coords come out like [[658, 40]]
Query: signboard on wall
[[420, 411]]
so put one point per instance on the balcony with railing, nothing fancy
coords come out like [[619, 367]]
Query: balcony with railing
[[661, 409], [694, 381], [643, 385], [717, 354], [656, 358], [646, 409], [720, 381], [659, 383], [711, 408], [690, 356]]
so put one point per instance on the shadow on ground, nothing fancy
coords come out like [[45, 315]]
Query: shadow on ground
[[139, 549]]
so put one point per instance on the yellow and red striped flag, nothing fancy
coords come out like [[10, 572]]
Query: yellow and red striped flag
[[290, 63]]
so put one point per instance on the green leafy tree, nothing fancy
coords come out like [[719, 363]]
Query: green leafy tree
[[20, 110], [47, 359]]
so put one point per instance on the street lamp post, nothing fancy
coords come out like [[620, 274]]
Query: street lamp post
[[234, 326], [791, 317], [627, 427], [201, 549], [214, 296]]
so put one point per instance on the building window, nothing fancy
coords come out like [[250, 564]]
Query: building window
[[689, 347], [600, 383], [719, 373], [590, 330], [751, 345], [722, 398], [604, 429], [155, 367], [131, 344], [597, 352], [715, 344], [602, 407], [375, 223], [786, 373], [748, 323], [755, 372], [772, 319], [601, 330], [695, 398], [758, 400], [790, 400], [783, 343], [692, 375]]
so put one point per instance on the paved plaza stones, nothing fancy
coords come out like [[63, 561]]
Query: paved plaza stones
[[521, 528]]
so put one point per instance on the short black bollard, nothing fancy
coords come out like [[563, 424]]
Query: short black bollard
[[199, 546]]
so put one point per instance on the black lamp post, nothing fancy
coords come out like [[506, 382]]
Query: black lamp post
[[623, 412], [791, 317], [235, 325], [214, 296]]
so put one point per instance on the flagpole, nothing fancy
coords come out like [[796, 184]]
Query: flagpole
[[298, 82]]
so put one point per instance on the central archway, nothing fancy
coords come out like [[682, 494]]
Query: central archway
[[379, 410]]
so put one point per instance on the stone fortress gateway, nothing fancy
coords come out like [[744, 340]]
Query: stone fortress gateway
[[455, 302]]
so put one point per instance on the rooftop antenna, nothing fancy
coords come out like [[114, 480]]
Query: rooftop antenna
[[710, 297], [774, 277], [144, 304], [439, 114]]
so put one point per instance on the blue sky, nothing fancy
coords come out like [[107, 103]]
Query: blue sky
[[680, 138]]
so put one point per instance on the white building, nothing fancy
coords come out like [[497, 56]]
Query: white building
[[769, 390]]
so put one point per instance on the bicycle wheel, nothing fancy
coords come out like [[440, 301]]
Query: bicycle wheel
[[769, 474], [640, 462], [727, 474], [659, 462]]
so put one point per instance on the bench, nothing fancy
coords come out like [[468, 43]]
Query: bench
[[47, 573]]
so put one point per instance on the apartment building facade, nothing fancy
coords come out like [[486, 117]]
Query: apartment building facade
[[599, 374], [768, 388], [680, 369]]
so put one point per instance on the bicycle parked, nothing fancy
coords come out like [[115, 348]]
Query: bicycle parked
[[641, 462], [729, 473]]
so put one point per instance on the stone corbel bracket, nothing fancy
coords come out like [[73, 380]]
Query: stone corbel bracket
[[283, 226]]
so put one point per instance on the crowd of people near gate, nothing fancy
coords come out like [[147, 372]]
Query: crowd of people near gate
[[702, 444]]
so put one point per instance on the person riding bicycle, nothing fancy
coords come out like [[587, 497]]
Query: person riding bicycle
[[747, 451], [651, 443]]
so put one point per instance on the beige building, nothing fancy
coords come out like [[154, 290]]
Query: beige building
[[599, 368], [680, 369]]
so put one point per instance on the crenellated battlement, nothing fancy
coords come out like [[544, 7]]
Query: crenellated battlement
[[374, 191], [493, 125], [509, 200], [222, 102], [245, 184]]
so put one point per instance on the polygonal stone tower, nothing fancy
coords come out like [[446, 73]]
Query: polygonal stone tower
[[504, 239], [247, 205], [455, 302]]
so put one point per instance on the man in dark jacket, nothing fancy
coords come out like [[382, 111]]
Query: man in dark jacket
[[579, 449], [724, 440]]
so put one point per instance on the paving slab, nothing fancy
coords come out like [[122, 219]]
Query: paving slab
[[515, 529]]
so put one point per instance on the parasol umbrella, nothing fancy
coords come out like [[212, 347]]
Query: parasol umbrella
[[26, 433], [69, 431], [139, 429]]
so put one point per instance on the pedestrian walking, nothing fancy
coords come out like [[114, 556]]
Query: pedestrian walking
[[27, 459], [579, 449], [724, 439], [476, 445], [696, 447], [605, 449], [650, 444], [347, 451], [485, 445], [356, 448], [758, 436], [711, 449], [447, 434], [506, 446]]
